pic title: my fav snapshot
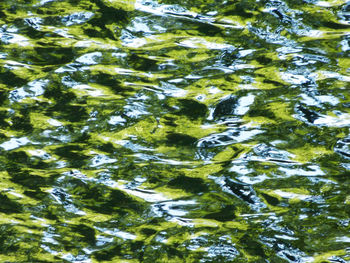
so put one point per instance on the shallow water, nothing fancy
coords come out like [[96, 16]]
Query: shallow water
[[174, 131]]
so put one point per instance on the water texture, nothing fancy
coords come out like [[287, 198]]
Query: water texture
[[174, 131]]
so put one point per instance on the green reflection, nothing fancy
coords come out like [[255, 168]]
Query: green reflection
[[200, 131]]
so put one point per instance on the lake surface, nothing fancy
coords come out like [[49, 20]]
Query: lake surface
[[174, 131]]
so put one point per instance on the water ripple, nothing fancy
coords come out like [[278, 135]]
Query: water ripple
[[154, 130]]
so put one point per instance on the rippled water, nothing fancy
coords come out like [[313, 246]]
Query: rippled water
[[174, 131]]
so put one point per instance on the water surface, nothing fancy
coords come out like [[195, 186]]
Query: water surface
[[174, 131]]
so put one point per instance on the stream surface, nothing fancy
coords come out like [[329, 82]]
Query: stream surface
[[174, 131]]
